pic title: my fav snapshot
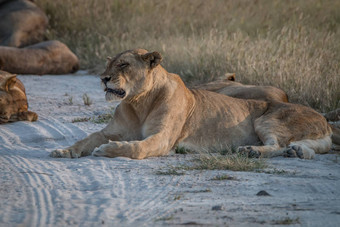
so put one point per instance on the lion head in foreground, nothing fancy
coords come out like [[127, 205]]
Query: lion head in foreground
[[128, 77], [13, 100]]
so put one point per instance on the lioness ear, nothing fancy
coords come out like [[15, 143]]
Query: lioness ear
[[153, 59], [8, 83], [231, 77], [108, 59]]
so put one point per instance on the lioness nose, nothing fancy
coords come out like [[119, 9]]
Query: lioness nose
[[106, 79]]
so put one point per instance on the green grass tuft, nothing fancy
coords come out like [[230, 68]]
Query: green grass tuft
[[287, 221], [223, 177], [170, 171], [234, 162], [98, 119], [87, 100], [81, 119], [102, 119]]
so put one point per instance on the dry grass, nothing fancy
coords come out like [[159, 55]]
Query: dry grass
[[87, 100], [290, 44], [170, 171], [97, 119], [223, 177], [223, 159], [287, 221], [80, 119], [234, 162], [218, 159]]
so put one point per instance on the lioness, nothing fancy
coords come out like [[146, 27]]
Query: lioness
[[228, 86], [13, 101], [157, 111]]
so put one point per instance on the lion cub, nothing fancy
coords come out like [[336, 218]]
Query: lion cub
[[13, 100], [157, 111]]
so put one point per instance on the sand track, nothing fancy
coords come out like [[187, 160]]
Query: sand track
[[36, 190]]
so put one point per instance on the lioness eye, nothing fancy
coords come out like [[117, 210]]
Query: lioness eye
[[123, 65]]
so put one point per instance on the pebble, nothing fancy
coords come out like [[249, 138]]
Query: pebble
[[263, 193], [218, 207]]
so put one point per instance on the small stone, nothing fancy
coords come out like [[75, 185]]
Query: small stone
[[218, 207], [263, 193]]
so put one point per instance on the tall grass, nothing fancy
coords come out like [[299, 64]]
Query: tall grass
[[291, 44]]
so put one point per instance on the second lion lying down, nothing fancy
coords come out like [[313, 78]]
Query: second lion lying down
[[157, 112]]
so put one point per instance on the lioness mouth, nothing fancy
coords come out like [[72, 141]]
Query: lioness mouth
[[118, 92]]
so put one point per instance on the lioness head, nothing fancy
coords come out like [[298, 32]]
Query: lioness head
[[128, 74], [12, 96]]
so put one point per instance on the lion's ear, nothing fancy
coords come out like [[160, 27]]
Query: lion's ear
[[8, 83], [153, 59], [231, 77], [108, 60]]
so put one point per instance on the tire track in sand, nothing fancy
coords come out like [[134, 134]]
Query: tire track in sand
[[11, 197], [34, 175], [145, 197], [89, 189], [35, 186]]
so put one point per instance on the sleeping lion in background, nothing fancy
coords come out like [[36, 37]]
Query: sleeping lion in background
[[228, 86], [157, 112]]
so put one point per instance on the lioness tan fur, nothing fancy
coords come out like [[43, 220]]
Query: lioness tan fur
[[13, 100], [157, 111], [228, 86]]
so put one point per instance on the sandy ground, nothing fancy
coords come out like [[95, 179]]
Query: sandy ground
[[37, 190]]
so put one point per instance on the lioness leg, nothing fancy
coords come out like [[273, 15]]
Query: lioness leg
[[307, 148], [23, 116], [304, 149], [292, 131], [30, 116], [152, 146], [81, 148], [270, 148]]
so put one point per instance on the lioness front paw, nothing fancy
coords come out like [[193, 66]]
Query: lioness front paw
[[61, 153], [249, 151], [31, 116], [116, 149]]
